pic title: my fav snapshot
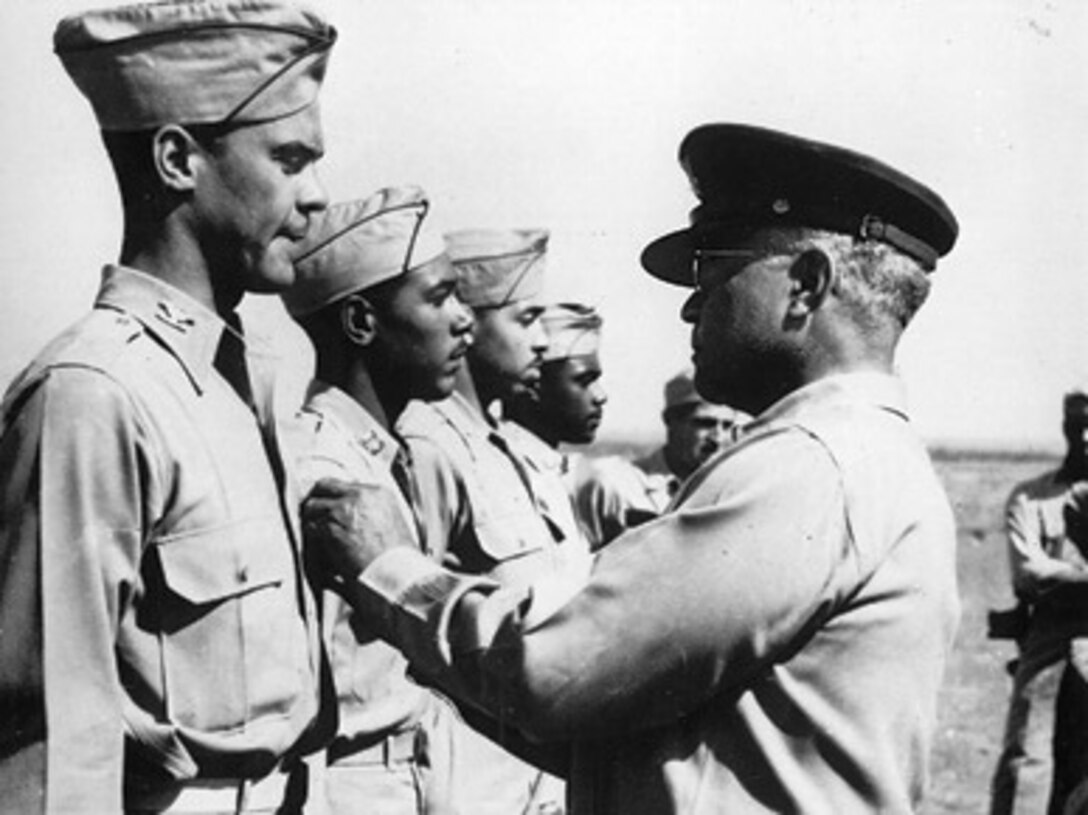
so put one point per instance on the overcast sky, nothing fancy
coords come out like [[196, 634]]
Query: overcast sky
[[568, 114]]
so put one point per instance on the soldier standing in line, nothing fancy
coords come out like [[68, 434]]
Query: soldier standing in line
[[159, 648], [376, 295], [477, 496], [566, 408]]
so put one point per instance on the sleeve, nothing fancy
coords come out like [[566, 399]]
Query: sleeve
[[1036, 574], [692, 604], [72, 518], [606, 499]]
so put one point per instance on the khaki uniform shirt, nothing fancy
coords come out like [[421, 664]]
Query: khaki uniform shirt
[[773, 644], [1045, 552], [546, 469], [479, 499], [612, 494], [151, 605], [375, 696]]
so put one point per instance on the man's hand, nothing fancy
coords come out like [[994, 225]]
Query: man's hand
[[347, 526]]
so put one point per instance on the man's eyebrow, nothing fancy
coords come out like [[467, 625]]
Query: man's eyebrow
[[299, 149]]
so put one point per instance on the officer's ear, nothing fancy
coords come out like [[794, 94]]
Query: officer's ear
[[358, 320], [812, 276], [173, 151]]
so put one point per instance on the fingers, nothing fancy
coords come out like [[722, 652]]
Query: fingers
[[332, 488]]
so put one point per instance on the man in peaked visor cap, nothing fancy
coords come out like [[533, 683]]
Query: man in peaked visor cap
[[775, 642], [160, 649]]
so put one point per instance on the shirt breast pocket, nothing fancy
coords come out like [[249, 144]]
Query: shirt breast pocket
[[220, 586]]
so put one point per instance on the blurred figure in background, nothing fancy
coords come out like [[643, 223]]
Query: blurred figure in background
[[566, 408], [613, 494], [376, 295], [1045, 752]]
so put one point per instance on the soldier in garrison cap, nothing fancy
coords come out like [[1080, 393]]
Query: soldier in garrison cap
[[613, 493], [160, 649], [477, 493], [377, 295], [565, 409], [775, 642], [1045, 753]]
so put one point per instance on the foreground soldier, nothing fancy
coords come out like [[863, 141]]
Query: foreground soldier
[[565, 408], [613, 494], [775, 643], [376, 294], [158, 638]]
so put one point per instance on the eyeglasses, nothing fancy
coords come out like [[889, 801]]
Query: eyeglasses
[[734, 261]]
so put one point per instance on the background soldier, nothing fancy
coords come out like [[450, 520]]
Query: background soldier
[[613, 494], [376, 294], [1046, 750], [158, 637], [565, 408], [775, 642]]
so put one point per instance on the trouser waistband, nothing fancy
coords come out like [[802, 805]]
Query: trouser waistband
[[269, 793]]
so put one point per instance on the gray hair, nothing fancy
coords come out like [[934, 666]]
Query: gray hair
[[876, 280]]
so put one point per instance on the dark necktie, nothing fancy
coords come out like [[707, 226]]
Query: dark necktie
[[230, 360], [401, 468]]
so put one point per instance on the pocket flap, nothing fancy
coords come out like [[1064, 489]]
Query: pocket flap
[[212, 564]]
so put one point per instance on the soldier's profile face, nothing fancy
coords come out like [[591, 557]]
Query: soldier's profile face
[[571, 399], [424, 331], [254, 196], [509, 344], [737, 314]]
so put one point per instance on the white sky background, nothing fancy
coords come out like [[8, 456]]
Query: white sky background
[[568, 114]]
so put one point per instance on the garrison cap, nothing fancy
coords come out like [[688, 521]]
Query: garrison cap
[[573, 329], [498, 266], [750, 178], [195, 61], [358, 244], [680, 391]]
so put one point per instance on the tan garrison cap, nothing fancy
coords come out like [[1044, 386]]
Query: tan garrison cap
[[573, 330], [498, 266], [195, 61], [680, 390], [359, 244]]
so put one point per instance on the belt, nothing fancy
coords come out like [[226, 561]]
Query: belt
[[235, 795], [397, 748]]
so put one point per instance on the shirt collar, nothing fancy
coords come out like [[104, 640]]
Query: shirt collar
[[882, 390], [541, 454], [363, 428], [188, 330]]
